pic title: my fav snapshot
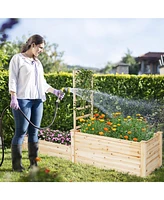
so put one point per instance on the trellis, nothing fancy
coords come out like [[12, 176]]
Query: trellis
[[75, 109]]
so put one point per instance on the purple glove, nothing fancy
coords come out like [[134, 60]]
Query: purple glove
[[59, 94], [14, 103]]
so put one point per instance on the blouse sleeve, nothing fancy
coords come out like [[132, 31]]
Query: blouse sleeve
[[46, 86], [13, 73]]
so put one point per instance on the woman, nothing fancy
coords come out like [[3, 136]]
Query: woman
[[28, 89]]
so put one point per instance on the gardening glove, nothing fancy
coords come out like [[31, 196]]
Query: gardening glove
[[59, 94], [14, 102]]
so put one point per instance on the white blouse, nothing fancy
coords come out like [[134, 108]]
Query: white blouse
[[26, 78]]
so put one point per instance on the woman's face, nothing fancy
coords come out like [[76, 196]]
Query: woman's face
[[37, 49]]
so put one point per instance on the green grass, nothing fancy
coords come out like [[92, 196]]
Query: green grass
[[70, 172]]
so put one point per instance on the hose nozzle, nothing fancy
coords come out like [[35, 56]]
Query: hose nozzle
[[66, 90]]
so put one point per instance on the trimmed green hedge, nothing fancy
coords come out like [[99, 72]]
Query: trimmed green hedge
[[132, 86], [129, 86]]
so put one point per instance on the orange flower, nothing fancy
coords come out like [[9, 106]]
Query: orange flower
[[135, 139], [47, 170], [96, 114], [126, 137], [105, 129], [129, 132], [101, 133], [109, 123], [37, 159]]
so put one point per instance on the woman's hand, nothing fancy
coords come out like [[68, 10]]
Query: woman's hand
[[59, 94], [14, 102]]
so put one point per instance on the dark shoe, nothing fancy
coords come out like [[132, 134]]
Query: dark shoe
[[16, 154], [33, 154]]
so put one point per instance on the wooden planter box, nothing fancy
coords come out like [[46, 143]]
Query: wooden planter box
[[136, 158]]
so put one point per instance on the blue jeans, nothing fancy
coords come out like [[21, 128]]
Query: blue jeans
[[33, 109]]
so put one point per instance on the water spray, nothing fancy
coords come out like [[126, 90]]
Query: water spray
[[109, 104]]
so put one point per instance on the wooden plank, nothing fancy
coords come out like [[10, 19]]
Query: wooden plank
[[104, 143], [83, 116], [153, 159], [160, 136], [153, 151], [123, 151], [151, 167], [106, 139], [82, 108], [73, 147], [92, 100], [153, 143], [108, 146], [56, 148], [110, 158], [143, 159], [53, 144], [116, 166], [45, 151], [116, 155]]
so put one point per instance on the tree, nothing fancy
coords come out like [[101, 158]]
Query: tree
[[3, 59], [108, 67], [130, 60], [50, 58]]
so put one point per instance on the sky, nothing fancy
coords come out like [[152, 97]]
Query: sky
[[92, 42]]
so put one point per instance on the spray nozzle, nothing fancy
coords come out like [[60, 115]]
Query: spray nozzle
[[66, 90]]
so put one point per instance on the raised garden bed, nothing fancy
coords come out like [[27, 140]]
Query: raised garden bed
[[136, 158]]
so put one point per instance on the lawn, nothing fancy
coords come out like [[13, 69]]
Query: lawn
[[66, 171]]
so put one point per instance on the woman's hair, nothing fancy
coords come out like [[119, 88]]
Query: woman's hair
[[37, 39]]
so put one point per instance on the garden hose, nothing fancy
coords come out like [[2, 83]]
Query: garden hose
[[39, 128], [1, 137], [42, 128]]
